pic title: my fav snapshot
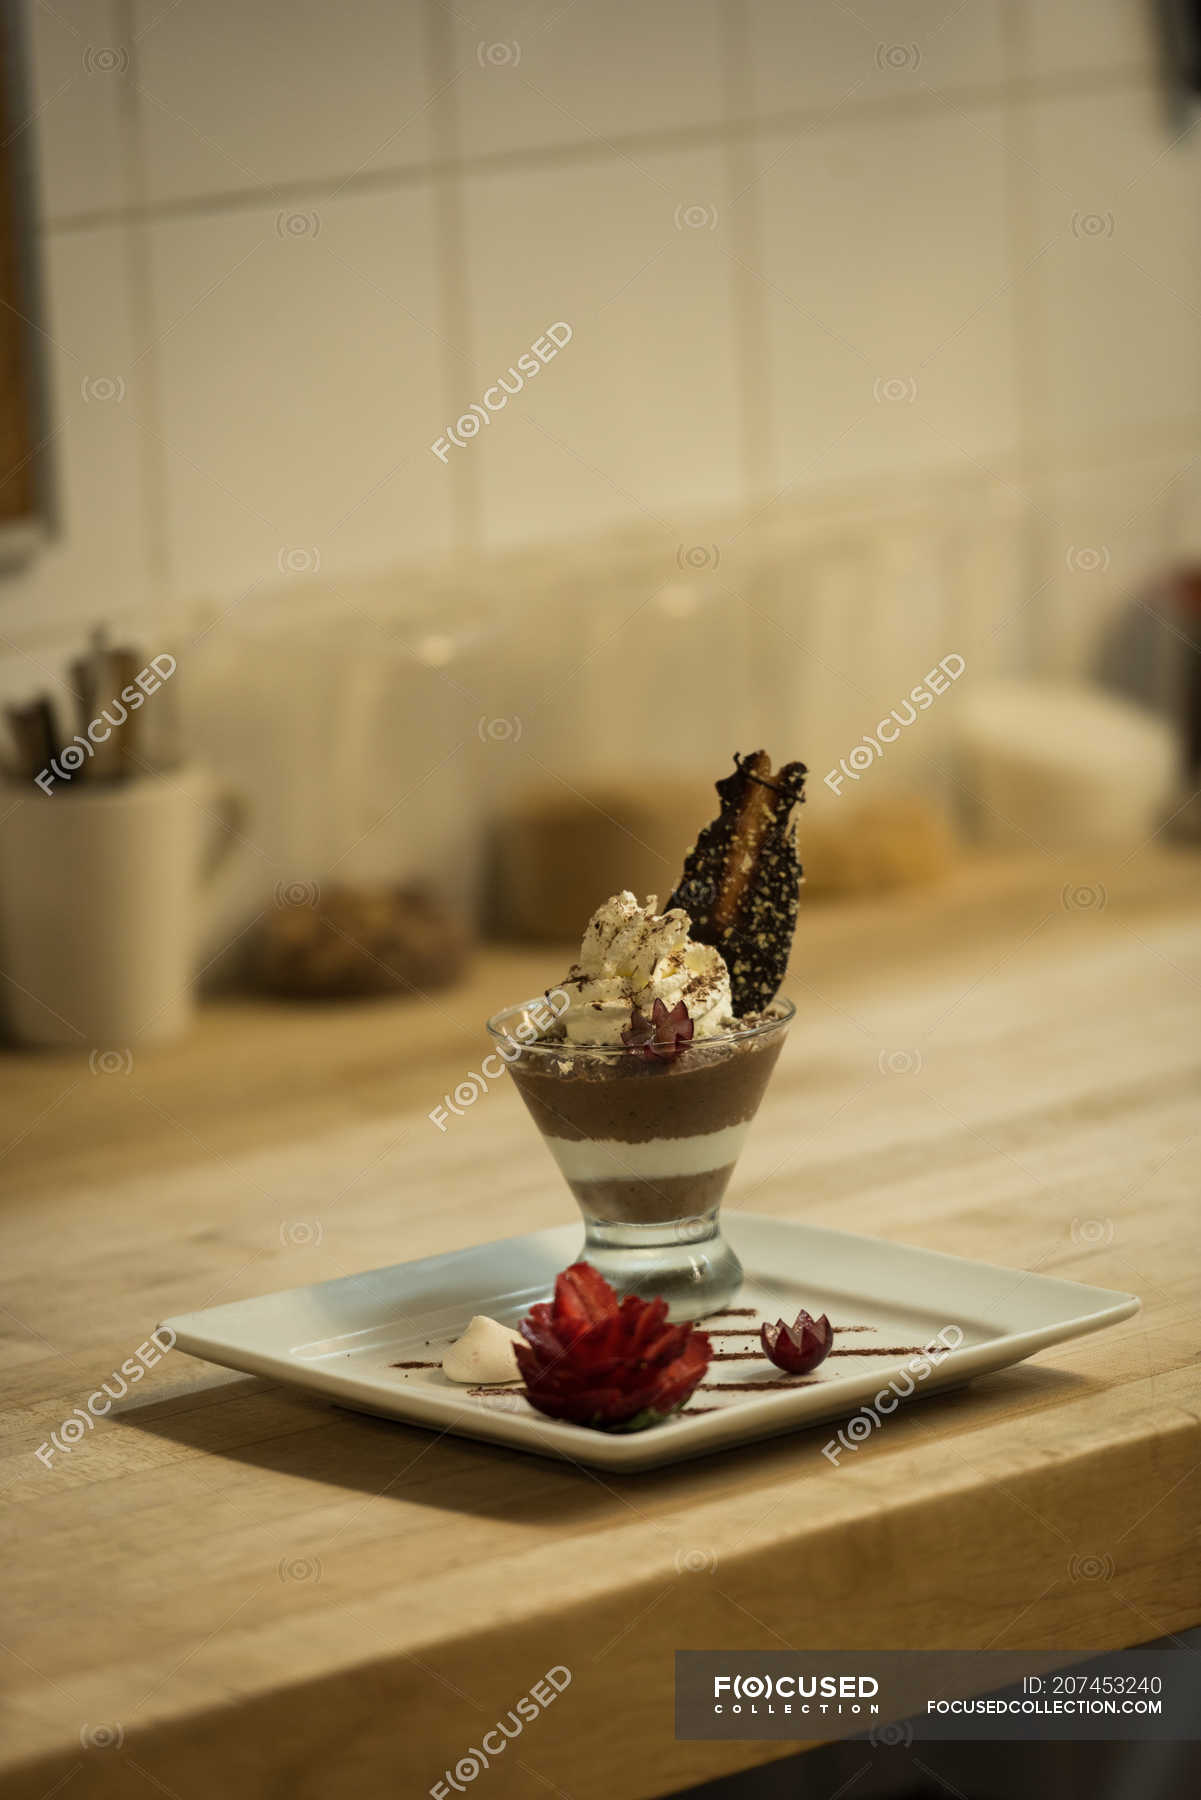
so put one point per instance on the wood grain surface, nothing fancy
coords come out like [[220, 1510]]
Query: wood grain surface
[[227, 1588]]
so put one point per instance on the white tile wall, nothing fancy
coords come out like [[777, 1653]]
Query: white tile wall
[[631, 419], [77, 87], [1119, 282], [300, 354], [884, 287], [544, 72], [1068, 37], [307, 237], [828, 56], [237, 96], [96, 565]]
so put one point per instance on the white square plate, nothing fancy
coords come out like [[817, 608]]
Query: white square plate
[[344, 1338]]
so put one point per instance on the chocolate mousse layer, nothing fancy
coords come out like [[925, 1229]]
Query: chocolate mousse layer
[[635, 1200], [641, 1141], [636, 1100]]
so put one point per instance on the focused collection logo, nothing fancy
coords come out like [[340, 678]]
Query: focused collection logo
[[795, 1693]]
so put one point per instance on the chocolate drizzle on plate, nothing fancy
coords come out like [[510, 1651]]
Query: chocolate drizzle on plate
[[858, 1350], [512, 1394], [756, 1387], [753, 1330]]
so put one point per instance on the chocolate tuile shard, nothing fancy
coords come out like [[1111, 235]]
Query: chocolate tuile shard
[[742, 878]]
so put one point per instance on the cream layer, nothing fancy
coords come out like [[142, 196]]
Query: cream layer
[[610, 1159]]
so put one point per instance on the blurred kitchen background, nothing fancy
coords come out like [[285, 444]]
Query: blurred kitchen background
[[883, 350]]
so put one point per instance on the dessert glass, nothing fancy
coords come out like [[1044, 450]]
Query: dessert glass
[[648, 1147]]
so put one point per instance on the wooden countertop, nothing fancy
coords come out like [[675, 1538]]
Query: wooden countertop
[[267, 1596]]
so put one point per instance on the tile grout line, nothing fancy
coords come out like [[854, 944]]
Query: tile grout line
[[466, 497], [1027, 315], [151, 458], [746, 230], [748, 302], [738, 129]]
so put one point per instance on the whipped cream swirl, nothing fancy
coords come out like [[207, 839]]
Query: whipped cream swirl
[[632, 956]]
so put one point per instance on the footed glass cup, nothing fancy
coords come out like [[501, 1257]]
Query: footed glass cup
[[648, 1147]]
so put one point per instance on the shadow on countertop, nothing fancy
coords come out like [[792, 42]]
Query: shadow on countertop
[[285, 1431]]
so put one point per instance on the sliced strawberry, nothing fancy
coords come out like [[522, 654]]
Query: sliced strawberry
[[589, 1360]]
